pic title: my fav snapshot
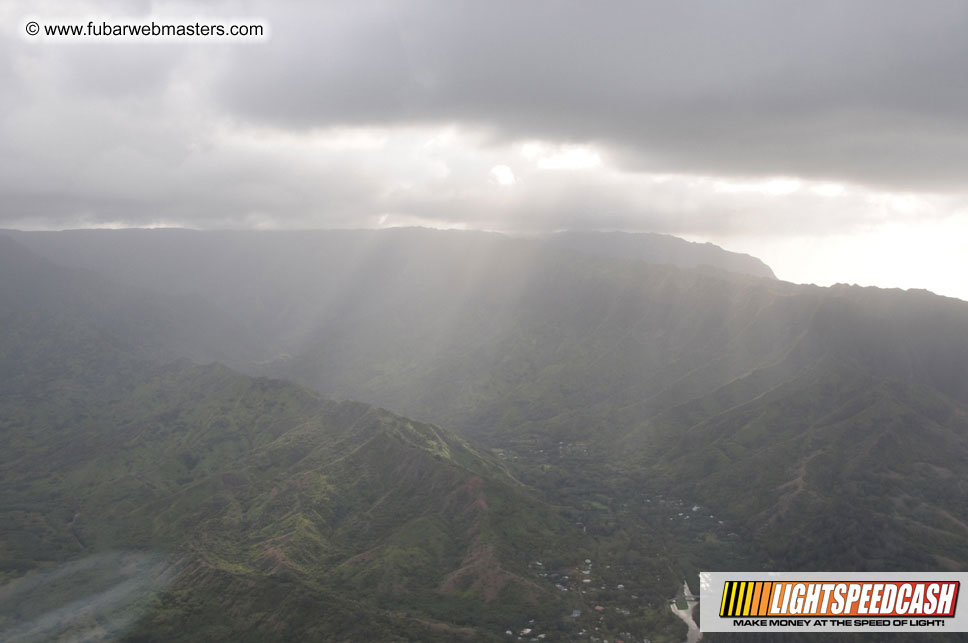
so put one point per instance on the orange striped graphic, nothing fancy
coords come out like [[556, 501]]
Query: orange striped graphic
[[746, 598]]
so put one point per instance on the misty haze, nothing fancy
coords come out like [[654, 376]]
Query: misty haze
[[475, 321]]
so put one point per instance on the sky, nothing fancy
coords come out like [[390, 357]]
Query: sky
[[830, 139]]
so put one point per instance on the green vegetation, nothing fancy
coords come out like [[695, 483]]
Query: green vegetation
[[651, 420], [259, 484]]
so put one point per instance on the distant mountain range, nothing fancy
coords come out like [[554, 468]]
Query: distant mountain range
[[600, 396], [661, 249]]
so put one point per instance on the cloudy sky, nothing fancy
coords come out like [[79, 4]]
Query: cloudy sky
[[828, 138]]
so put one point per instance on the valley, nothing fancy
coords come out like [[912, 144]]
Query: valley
[[426, 435]]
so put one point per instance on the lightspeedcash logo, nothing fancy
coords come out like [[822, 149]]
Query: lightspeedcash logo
[[823, 602], [763, 598]]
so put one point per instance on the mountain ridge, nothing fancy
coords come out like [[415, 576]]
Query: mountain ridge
[[657, 248], [671, 419]]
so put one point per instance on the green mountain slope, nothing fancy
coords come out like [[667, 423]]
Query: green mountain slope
[[849, 451], [836, 469], [685, 418], [261, 484], [244, 509]]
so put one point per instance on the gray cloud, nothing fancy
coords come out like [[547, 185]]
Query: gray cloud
[[232, 135], [872, 92]]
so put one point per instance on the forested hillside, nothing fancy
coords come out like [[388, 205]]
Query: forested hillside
[[566, 405]]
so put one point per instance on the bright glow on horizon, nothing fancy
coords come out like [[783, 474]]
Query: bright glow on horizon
[[920, 254]]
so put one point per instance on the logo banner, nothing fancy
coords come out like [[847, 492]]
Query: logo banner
[[832, 602]]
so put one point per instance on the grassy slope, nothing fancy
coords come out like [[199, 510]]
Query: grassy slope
[[840, 407], [261, 484], [263, 508]]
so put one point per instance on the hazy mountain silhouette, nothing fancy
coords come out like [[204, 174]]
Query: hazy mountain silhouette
[[816, 428]]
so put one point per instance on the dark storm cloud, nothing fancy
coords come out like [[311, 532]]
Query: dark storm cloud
[[872, 92], [241, 135]]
